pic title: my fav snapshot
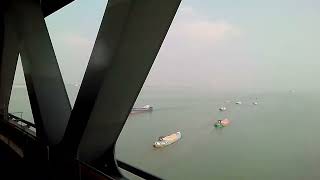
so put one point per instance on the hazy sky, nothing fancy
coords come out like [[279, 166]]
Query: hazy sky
[[218, 45]]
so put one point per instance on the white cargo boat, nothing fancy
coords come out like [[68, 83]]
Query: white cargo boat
[[167, 140]]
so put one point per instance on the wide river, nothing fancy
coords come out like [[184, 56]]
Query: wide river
[[278, 139]]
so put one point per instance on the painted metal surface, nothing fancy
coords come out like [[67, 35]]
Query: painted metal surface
[[48, 97], [127, 44], [8, 60], [50, 6], [128, 41]]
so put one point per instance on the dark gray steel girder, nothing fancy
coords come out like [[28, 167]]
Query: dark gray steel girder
[[8, 61], [48, 97], [51, 6], [128, 41]]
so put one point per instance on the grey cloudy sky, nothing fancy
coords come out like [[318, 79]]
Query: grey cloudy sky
[[218, 45]]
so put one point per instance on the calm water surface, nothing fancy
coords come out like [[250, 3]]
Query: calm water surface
[[277, 139]]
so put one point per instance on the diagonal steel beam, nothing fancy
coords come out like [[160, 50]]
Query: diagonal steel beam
[[8, 60], [128, 41], [48, 97], [51, 6]]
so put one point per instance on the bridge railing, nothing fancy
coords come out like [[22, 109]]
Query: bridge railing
[[20, 120], [23, 124]]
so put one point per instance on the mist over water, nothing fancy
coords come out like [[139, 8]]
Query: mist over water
[[276, 139], [215, 53]]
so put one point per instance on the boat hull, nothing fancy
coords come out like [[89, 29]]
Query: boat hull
[[167, 140], [224, 123]]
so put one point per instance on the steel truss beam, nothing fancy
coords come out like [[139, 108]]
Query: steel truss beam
[[48, 97], [128, 41], [51, 6], [9, 57]]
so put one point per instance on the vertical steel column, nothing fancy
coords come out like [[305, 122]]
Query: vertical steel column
[[128, 41], [48, 97], [9, 57]]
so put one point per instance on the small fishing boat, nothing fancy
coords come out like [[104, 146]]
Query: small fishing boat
[[239, 102], [255, 103], [222, 108], [222, 123], [218, 125], [167, 140]]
